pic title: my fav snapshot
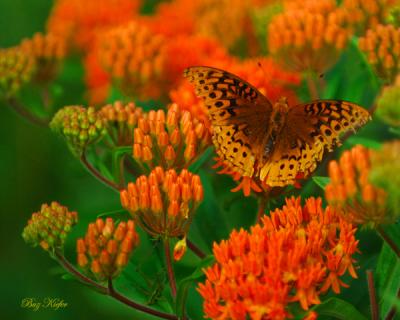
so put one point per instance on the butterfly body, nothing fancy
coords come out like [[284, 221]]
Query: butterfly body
[[273, 143]]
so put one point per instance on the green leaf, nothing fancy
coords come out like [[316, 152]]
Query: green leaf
[[338, 309], [117, 158], [186, 283], [322, 181], [369, 143], [396, 131], [206, 156]]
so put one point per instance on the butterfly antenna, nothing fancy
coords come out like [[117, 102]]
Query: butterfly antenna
[[262, 68]]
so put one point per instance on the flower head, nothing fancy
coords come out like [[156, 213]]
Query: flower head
[[164, 202], [382, 48], [16, 69], [172, 140], [106, 247], [309, 38], [389, 104], [296, 254], [48, 50], [351, 190], [50, 226], [79, 21], [79, 126]]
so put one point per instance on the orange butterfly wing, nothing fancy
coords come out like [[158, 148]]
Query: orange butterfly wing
[[310, 129], [239, 115]]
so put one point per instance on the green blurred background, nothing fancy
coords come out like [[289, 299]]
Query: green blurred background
[[36, 167]]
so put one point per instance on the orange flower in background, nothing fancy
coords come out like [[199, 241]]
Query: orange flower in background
[[294, 255], [79, 21], [351, 191], [163, 203], [310, 37], [106, 248], [382, 48], [367, 14]]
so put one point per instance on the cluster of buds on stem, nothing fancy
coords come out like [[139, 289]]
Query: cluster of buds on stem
[[106, 248], [163, 204], [389, 104], [382, 48], [351, 190], [50, 226], [121, 120], [16, 69], [172, 140], [79, 126]]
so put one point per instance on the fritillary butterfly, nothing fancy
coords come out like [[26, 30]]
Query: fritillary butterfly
[[275, 143]]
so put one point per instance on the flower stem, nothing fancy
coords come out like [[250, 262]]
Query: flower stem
[[170, 270], [195, 249], [388, 240], [262, 201], [97, 174], [23, 112], [110, 290], [372, 296]]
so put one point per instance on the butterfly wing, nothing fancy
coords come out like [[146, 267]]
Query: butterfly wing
[[310, 129], [239, 115]]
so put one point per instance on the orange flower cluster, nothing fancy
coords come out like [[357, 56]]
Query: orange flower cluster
[[296, 254], [16, 69], [50, 226], [106, 247], [310, 37], [382, 47], [121, 120], [351, 190], [163, 204], [133, 57], [172, 140], [79, 22], [48, 50], [367, 14]]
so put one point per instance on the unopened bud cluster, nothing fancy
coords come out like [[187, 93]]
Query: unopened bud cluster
[[132, 55], [16, 69], [350, 188], [382, 48], [79, 126], [106, 248], [121, 119], [310, 37], [171, 140], [389, 104], [163, 203], [48, 50], [50, 226]]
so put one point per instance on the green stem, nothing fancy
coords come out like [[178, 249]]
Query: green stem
[[262, 201], [97, 174], [392, 312], [372, 296], [195, 249], [170, 270], [388, 240], [110, 290]]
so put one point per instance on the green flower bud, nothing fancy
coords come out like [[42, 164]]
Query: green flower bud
[[49, 227], [79, 126]]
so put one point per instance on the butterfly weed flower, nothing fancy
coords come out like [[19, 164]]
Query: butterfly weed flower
[[310, 38], [79, 22], [48, 50], [16, 69], [79, 126], [295, 255], [351, 190], [121, 120], [381, 46], [389, 104], [172, 140], [106, 248], [164, 202], [50, 226]]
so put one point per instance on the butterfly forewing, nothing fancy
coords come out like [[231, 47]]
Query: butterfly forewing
[[239, 115]]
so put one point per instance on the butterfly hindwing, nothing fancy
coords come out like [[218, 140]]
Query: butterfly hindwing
[[310, 130], [239, 115]]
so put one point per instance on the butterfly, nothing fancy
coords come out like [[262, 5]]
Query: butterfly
[[275, 143]]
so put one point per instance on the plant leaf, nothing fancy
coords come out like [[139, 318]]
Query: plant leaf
[[322, 181], [338, 309]]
